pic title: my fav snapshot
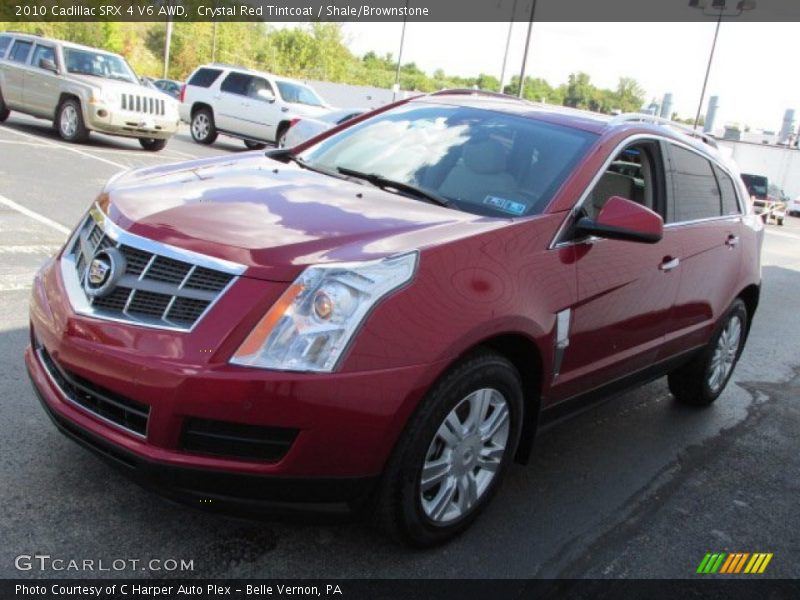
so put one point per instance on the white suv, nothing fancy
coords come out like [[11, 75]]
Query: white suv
[[251, 105]]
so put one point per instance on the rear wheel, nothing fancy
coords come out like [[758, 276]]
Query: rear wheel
[[152, 144], [69, 122], [453, 454], [4, 112], [280, 139], [702, 380], [251, 145], [203, 129]]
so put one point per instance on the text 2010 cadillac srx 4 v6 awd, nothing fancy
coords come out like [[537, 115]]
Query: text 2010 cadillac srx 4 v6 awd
[[383, 315]]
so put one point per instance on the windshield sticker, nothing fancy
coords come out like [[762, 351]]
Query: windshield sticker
[[509, 206]]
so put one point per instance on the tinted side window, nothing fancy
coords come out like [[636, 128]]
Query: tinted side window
[[730, 205], [236, 83], [695, 191], [5, 42], [43, 52], [258, 85], [20, 51], [204, 77]]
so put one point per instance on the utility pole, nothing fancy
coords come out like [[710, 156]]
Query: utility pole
[[525, 55], [214, 43], [167, 42], [508, 43], [396, 87]]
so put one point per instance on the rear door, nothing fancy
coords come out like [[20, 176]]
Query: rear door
[[243, 109], [41, 88], [625, 289], [13, 72], [705, 214]]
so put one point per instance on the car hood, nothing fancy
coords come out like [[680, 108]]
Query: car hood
[[119, 87], [276, 218]]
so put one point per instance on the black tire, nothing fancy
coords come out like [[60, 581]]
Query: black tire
[[69, 122], [280, 139], [251, 145], [780, 222], [690, 384], [203, 129], [399, 507], [4, 112], [152, 144]]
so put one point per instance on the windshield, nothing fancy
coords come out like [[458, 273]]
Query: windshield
[[97, 64], [483, 162], [295, 93]]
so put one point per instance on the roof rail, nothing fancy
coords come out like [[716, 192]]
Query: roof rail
[[471, 92], [230, 66], [633, 117]]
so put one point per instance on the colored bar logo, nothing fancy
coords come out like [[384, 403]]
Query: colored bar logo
[[736, 562]]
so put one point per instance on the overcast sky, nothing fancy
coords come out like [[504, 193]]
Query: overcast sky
[[755, 69]]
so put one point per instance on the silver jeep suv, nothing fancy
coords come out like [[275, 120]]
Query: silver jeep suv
[[81, 89]]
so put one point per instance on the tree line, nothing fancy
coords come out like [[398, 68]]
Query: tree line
[[314, 51]]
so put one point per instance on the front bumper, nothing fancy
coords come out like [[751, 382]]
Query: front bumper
[[102, 118], [347, 422]]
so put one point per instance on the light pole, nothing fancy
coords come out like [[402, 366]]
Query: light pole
[[718, 8], [525, 55], [396, 87], [508, 43]]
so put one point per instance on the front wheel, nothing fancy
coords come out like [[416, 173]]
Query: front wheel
[[251, 145], [69, 122], [152, 145], [701, 381], [454, 452]]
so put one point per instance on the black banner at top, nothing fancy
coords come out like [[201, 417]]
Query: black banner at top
[[399, 10]]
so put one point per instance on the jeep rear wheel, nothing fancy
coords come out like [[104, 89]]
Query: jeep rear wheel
[[203, 129], [4, 112], [69, 122]]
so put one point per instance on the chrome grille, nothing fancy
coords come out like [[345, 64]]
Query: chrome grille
[[143, 104], [161, 286]]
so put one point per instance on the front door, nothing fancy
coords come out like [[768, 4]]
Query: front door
[[625, 289]]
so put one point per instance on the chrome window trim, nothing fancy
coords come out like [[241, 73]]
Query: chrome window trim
[[83, 409], [557, 242], [81, 304]]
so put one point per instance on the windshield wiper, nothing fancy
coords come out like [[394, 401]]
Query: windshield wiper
[[285, 155], [407, 188]]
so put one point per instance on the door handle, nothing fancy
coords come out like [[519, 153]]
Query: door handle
[[732, 241], [669, 263]]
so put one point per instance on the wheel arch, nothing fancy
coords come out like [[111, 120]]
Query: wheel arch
[[63, 97], [200, 105], [750, 296]]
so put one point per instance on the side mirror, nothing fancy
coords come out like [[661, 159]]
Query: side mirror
[[266, 95], [622, 219], [48, 65]]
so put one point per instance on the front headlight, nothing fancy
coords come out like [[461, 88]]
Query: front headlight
[[311, 324]]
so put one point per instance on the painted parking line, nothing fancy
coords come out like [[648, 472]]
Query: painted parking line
[[783, 234], [34, 215], [65, 147]]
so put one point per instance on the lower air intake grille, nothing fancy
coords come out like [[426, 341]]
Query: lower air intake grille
[[234, 440], [109, 406]]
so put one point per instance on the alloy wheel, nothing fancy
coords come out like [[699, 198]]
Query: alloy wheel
[[724, 356], [465, 455]]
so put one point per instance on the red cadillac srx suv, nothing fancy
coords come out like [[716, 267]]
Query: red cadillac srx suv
[[382, 316]]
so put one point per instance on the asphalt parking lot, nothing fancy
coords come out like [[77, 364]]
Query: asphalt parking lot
[[635, 487]]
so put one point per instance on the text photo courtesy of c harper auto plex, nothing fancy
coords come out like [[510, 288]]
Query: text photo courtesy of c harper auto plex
[[399, 299]]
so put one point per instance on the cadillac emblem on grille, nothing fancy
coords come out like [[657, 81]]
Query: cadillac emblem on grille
[[103, 273]]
